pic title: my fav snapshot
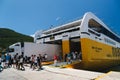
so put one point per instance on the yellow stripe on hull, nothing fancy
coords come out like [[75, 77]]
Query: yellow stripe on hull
[[96, 56]]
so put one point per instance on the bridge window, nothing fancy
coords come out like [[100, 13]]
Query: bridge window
[[94, 25]]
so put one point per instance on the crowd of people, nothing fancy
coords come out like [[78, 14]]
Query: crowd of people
[[68, 58], [5, 61], [35, 62], [72, 56], [17, 61]]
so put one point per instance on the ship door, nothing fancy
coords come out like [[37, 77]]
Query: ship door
[[75, 45]]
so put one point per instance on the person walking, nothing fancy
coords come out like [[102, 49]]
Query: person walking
[[45, 56], [21, 67], [7, 60], [3, 60], [55, 60], [16, 57], [69, 58], [39, 61], [31, 61], [34, 62]]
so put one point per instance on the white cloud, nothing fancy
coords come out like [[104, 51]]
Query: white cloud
[[33, 35], [58, 18]]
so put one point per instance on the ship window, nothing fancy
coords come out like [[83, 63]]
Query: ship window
[[17, 45], [94, 25], [11, 49]]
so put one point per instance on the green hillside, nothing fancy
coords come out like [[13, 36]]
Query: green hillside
[[8, 37]]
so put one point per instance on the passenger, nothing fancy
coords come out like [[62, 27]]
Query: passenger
[[26, 59], [80, 56], [39, 60], [31, 61], [1, 68], [7, 60], [45, 56], [16, 57], [55, 60], [74, 56], [59, 57], [3, 60], [69, 58], [14, 61], [76, 53], [65, 57], [18, 67], [10, 61], [21, 66], [35, 62]]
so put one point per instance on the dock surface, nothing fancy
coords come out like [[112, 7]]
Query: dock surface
[[57, 73], [48, 73]]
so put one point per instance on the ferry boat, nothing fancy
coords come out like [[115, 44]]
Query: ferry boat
[[99, 45]]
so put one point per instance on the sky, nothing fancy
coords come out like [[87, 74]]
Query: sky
[[29, 16]]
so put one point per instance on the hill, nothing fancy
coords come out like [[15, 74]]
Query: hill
[[8, 37]]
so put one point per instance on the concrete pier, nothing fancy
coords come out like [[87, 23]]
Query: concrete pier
[[48, 74]]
